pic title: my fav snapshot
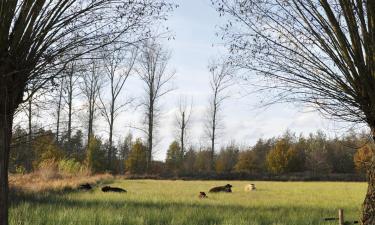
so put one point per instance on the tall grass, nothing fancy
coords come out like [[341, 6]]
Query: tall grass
[[52, 182], [177, 203]]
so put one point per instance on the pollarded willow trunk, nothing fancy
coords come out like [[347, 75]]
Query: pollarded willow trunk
[[9, 99], [5, 138], [368, 210]]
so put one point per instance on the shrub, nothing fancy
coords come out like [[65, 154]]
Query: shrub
[[48, 169], [71, 167]]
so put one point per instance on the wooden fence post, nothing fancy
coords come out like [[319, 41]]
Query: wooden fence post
[[341, 217]]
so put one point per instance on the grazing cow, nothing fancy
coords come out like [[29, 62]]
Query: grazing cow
[[85, 187], [202, 195], [112, 189], [226, 188], [250, 187]]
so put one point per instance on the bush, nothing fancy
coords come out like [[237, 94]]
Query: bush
[[48, 169], [20, 169], [71, 167]]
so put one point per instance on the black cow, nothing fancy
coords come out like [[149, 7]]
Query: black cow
[[85, 187], [226, 188], [112, 189]]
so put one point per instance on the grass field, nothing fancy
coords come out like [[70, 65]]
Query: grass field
[[177, 202]]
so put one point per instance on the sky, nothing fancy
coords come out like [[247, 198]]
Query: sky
[[194, 25]]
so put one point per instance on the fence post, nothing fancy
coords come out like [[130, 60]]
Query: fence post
[[341, 217]]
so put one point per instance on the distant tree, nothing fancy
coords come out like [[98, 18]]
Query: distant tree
[[317, 159], [153, 72], [174, 157], [201, 159], [183, 121], [124, 151], [227, 158], [21, 155], [45, 148], [362, 158], [75, 145], [71, 79], [91, 86], [118, 64], [189, 161], [340, 156], [247, 162], [261, 149], [137, 160], [220, 81], [283, 158], [95, 155]]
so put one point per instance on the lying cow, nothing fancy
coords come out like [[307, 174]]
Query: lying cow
[[226, 188], [85, 187], [112, 189], [202, 195], [250, 187]]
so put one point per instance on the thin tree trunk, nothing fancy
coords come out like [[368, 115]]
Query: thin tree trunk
[[183, 134], [59, 113], [213, 137], [70, 103], [91, 119], [150, 138], [368, 210], [110, 151]]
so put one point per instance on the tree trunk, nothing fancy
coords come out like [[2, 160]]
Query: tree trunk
[[368, 210], [182, 140], [59, 112], [9, 100], [70, 106], [150, 138], [213, 139], [110, 150], [5, 139]]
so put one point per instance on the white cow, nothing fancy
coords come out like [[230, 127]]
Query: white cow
[[250, 187]]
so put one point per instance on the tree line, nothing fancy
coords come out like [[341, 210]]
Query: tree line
[[315, 154]]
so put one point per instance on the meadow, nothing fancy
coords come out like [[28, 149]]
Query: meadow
[[176, 202]]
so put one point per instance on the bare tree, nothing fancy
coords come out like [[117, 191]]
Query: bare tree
[[91, 85], [220, 81], [71, 79], [58, 109], [118, 65], [153, 63], [316, 52], [35, 34], [182, 121]]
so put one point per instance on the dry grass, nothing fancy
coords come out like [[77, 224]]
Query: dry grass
[[36, 182]]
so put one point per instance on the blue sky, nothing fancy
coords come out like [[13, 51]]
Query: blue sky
[[194, 25]]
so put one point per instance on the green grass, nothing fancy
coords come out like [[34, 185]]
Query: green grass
[[177, 203]]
